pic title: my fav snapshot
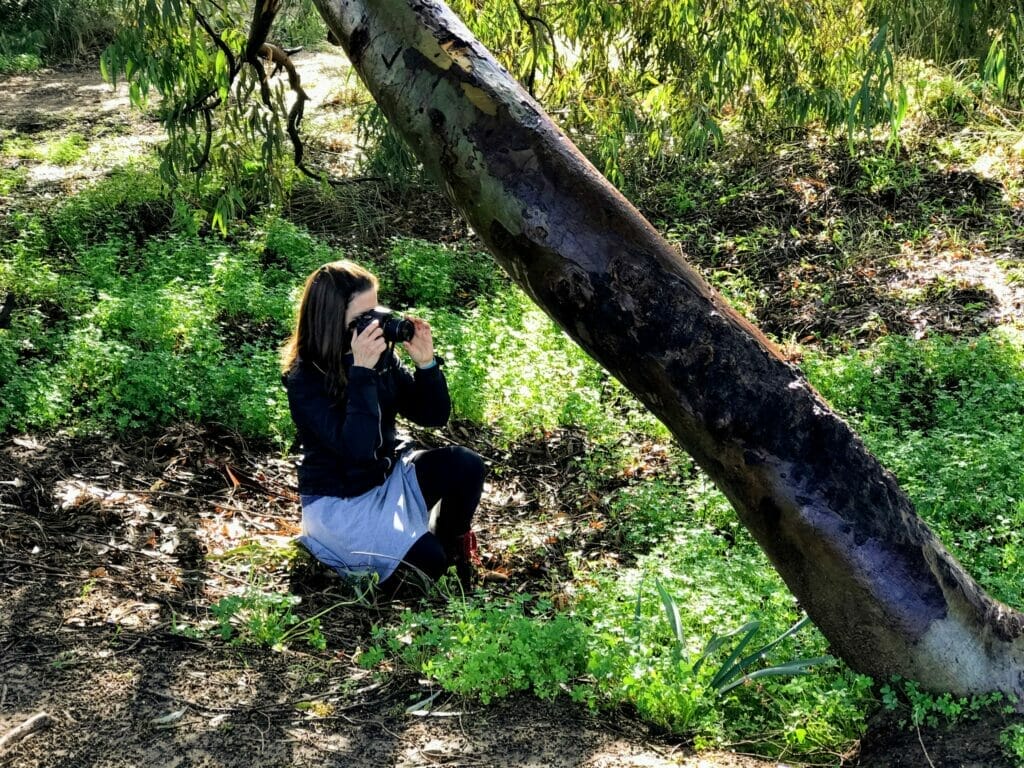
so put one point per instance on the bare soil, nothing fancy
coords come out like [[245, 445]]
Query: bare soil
[[107, 546]]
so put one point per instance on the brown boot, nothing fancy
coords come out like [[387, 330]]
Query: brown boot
[[467, 558]]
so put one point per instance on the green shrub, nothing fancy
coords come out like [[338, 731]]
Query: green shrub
[[242, 389], [26, 268], [265, 618], [716, 582], [438, 275], [67, 150], [489, 651], [59, 30], [134, 337], [934, 383], [293, 248], [935, 709], [17, 64], [130, 203], [299, 24], [510, 367], [11, 179], [648, 513], [235, 291], [20, 47], [22, 148], [1012, 739]]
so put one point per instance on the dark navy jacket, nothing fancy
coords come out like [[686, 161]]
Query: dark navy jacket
[[351, 446]]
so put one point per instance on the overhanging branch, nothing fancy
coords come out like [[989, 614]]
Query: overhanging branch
[[258, 51], [533, 21], [204, 104]]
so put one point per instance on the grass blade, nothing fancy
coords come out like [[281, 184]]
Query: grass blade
[[797, 667], [672, 612]]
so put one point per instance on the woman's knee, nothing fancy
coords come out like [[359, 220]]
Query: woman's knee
[[471, 465]]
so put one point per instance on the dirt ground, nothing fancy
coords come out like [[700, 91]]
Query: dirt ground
[[106, 546]]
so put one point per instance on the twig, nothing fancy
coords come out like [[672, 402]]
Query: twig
[[190, 497], [39, 566], [276, 707], [217, 40], [195, 705], [203, 103], [921, 742], [34, 723]]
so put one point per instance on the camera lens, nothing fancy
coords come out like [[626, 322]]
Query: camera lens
[[398, 329]]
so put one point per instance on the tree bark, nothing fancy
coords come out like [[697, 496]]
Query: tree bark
[[835, 524]]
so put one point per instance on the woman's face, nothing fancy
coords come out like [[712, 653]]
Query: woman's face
[[359, 303]]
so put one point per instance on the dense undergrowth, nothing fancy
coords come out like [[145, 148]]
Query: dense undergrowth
[[130, 316]]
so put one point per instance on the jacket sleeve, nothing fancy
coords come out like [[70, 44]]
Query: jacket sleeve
[[352, 434], [423, 396]]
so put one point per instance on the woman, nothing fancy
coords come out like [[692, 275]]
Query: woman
[[366, 496]]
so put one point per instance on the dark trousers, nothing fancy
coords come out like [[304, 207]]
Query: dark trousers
[[453, 475]]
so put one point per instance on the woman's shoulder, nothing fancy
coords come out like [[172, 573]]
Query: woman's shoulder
[[302, 373]]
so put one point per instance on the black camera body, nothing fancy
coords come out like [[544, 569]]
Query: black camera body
[[395, 328]]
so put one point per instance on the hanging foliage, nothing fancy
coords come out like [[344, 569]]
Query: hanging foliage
[[625, 79]]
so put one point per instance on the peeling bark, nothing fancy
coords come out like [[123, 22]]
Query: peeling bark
[[835, 524]]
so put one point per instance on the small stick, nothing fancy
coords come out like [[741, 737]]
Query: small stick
[[921, 741], [34, 723]]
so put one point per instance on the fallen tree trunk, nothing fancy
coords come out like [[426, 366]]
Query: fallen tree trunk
[[840, 531]]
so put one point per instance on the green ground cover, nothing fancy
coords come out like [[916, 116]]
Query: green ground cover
[[131, 317]]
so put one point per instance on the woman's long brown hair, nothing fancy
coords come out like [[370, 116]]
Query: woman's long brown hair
[[320, 337]]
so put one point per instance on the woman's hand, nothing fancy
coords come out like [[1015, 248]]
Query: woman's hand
[[421, 347], [368, 345]]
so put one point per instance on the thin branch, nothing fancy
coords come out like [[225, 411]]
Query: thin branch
[[257, 50], [532, 20], [203, 103], [921, 742], [281, 60], [218, 41], [261, 76], [208, 139]]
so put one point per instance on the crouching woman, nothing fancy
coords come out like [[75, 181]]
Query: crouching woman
[[366, 495]]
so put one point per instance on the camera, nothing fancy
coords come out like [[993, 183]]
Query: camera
[[395, 328]]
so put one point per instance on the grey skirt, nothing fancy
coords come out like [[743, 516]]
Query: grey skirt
[[370, 533]]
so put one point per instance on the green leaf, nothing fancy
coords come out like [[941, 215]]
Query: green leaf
[[727, 669], [791, 668], [672, 613]]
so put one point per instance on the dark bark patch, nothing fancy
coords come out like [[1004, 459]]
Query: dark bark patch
[[389, 61], [915, 596], [437, 121], [752, 458], [769, 512], [358, 40]]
